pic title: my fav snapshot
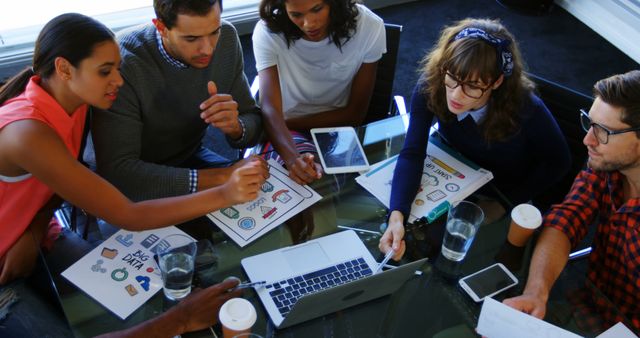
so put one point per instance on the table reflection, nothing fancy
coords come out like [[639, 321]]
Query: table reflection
[[430, 305]]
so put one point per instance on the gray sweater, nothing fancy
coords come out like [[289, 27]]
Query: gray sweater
[[155, 124]]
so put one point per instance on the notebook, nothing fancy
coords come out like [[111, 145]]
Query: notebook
[[321, 276]]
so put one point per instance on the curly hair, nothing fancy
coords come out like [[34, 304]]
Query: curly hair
[[342, 16], [622, 91], [167, 10], [469, 58]]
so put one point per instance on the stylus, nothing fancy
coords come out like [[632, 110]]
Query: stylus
[[247, 285], [387, 257]]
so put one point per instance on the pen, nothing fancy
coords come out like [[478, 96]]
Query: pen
[[387, 257], [246, 285]]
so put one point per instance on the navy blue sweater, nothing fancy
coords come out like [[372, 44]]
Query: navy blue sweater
[[523, 166]]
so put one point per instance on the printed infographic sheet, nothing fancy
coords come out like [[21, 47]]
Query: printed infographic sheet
[[279, 199], [121, 273], [445, 179]]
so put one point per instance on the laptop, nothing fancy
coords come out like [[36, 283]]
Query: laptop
[[321, 276]]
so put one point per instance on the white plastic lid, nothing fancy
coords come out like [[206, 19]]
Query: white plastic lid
[[237, 314], [527, 216]]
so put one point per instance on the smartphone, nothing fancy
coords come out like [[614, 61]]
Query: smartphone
[[339, 150], [488, 282]]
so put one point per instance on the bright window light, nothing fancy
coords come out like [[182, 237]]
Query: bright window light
[[38, 12]]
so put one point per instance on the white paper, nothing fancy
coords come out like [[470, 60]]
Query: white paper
[[618, 331], [121, 273], [498, 320], [444, 179], [279, 199]]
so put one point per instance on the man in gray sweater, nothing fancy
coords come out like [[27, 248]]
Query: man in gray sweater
[[182, 73]]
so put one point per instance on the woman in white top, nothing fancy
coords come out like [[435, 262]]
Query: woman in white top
[[316, 61]]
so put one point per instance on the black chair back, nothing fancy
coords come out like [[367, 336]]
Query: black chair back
[[380, 105], [564, 103]]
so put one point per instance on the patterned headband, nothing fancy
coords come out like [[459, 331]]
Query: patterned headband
[[505, 57]]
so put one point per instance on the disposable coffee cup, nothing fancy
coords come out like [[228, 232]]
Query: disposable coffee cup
[[525, 218], [237, 316]]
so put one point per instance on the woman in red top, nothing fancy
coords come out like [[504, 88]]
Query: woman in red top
[[42, 114]]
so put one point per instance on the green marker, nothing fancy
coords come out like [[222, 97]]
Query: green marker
[[438, 211]]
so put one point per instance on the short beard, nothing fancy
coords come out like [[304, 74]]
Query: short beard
[[612, 166]]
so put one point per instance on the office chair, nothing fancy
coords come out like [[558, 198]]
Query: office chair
[[68, 215], [564, 104], [381, 105]]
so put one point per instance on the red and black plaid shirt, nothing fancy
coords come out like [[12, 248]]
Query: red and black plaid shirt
[[614, 263]]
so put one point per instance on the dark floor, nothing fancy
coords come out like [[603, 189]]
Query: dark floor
[[556, 45]]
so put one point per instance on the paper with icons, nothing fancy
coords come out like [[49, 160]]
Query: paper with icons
[[279, 199], [447, 177], [121, 273]]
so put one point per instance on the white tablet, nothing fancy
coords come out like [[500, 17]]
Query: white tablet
[[339, 149]]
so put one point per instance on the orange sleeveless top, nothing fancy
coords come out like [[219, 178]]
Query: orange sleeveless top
[[20, 199]]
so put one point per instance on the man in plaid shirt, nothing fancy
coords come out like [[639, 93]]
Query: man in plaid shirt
[[606, 194]]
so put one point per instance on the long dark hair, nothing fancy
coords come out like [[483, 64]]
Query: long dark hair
[[71, 36], [622, 91], [467, 58], [167, 10], [342, 20]]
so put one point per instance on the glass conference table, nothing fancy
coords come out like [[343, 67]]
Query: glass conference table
[[430, 305]]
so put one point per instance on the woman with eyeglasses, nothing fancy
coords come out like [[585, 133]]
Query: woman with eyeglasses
[[474, 86]]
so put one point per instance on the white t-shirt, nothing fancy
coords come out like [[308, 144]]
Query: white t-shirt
[[317, 76]]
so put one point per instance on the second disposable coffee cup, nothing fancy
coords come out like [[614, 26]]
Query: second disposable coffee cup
[[525, 218], [237, 316]]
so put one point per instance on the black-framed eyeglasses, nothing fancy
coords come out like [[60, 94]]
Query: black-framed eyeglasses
[[601, 132], [471, 90]]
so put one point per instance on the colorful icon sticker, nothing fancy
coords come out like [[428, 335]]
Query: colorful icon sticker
[[144, 282], [148, 242], [230, 212], [267, 187], [429, 179], [125, 240], [452, 187], [119, 275], [247, 223], [109, 253], [162, 245], [436, 195], [267, 212], [131, 290], [282, 196], [98, 267]]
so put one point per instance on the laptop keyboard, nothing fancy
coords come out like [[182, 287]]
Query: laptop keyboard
[[285, 293]]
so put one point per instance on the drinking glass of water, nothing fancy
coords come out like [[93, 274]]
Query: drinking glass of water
[[176, 257], [463, 221]]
